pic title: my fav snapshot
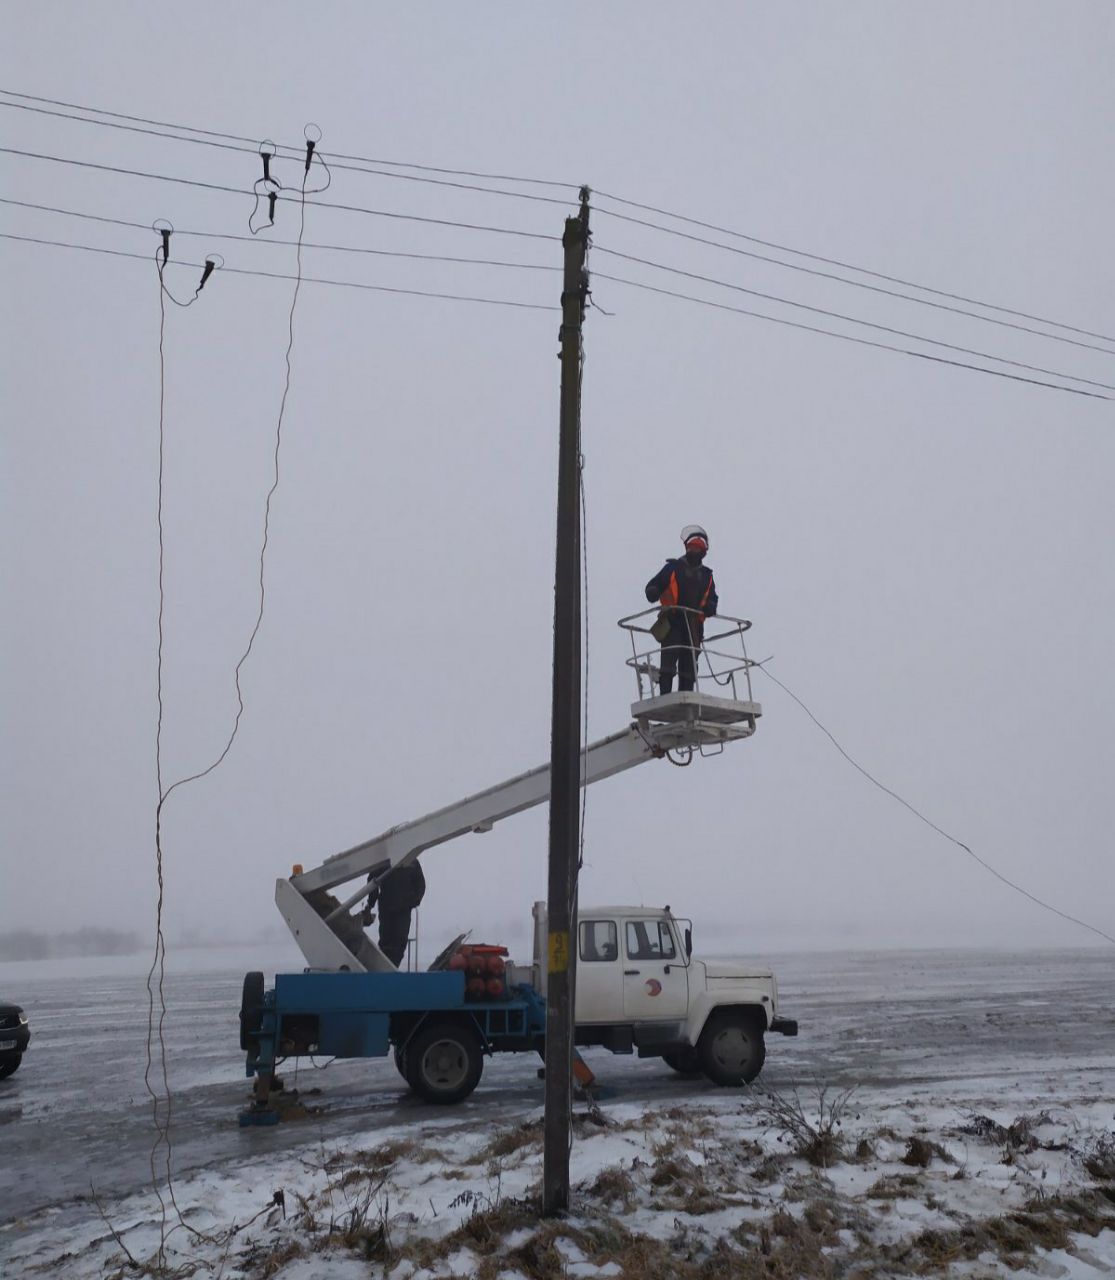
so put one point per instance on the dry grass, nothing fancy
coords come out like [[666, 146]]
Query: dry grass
[[920, 1153], [524, 1137], [815, 1135], [1013, 1237]]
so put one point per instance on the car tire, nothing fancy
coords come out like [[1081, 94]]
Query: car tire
[[251, 1012], [9, 1065], [731, 1048], [686, 1061], [444, 1061]]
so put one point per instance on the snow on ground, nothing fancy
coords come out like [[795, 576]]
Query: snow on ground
[[938, 1116], [719, 1186]]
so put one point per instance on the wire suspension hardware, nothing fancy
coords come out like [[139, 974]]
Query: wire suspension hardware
[[928, 821]]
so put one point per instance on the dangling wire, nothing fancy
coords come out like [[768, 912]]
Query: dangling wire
[[928, 821], [161, 1104]]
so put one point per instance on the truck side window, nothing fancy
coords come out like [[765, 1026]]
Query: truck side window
[[649, 940], [599, 940]]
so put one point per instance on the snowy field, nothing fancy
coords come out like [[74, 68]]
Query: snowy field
[[978, 1139]]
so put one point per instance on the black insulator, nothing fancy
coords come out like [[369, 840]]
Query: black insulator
[[166, 245], [309, 153], [272, 198], [266, 166], [210, 267]]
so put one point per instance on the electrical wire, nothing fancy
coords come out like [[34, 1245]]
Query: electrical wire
[[306, 244], [890, 293], [815, 257], [867, 324], [278, 275], [195, 777], [848, 337], [364, 161], [928, 821], [239, 191], [253, 150], [213, 133]]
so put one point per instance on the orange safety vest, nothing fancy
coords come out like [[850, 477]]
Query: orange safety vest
[[670, 597]]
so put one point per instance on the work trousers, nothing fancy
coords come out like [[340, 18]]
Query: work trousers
[[394, 934], [679, 658]]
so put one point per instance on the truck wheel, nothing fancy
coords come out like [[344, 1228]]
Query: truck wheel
[[685, 1061], [731, 1048], [444, 1061], [8, 1065], [251, 1012]]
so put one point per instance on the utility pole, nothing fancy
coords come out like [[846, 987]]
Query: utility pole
[[565, 742]]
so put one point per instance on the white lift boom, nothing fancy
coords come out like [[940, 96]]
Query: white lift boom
[[331, 938]]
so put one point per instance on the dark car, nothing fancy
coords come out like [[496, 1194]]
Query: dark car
[[14, 1038]]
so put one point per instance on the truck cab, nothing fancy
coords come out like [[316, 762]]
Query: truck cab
[[641, 990]]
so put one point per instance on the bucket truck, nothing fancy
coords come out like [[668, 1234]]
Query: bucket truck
[[639, 987]]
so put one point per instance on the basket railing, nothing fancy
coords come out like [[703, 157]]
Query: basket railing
[[722, 667]]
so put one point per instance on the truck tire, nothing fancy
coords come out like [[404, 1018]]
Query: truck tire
[[401, 1062], [731, 1048], [8, 1065], [251, 1012], [685, 1061], [444, 1061]]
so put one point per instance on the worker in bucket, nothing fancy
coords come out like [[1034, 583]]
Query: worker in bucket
[[680, 585], [399, 893]]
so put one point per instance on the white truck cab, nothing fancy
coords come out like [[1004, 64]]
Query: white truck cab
[[639, 989]]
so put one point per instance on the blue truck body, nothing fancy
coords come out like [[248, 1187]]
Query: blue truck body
[[370, 1015]]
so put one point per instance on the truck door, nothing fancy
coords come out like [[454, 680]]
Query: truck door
[[599, 978], [655, 977]]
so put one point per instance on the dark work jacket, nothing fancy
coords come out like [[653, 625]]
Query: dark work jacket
[[690, 586], [402, 890]]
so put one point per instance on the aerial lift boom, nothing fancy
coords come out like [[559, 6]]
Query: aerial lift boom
[[331, 938]]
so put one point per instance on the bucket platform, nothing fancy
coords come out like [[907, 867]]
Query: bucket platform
[[719, 708]]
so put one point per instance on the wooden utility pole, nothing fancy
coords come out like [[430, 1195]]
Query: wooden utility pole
[[565, 743]]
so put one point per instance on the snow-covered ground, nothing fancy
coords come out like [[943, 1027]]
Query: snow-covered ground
[[978, 1140]]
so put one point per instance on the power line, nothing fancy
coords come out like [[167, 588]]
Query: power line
[[277, 275], [848, 337], [213, 133], [872, 288], [254, 150], [869, 324], [928, 821], [257, 239], [816, 257], [241, 191], [535, 306]]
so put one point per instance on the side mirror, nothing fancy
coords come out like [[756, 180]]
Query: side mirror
[[688, 943]]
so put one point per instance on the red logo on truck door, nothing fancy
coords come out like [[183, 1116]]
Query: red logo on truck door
[[653, 986]]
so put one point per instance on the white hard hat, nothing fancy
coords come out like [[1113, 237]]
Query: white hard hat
[[694, 531]]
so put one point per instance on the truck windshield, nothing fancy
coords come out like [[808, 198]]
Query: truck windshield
[[649, 940]]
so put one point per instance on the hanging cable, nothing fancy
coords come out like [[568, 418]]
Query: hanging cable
[[1011, 884], [848, 337], [834, 262], [162, 1104], [202, 773], [163, 1116]]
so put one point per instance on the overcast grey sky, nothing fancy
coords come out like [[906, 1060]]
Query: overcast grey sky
[[926, 551]]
